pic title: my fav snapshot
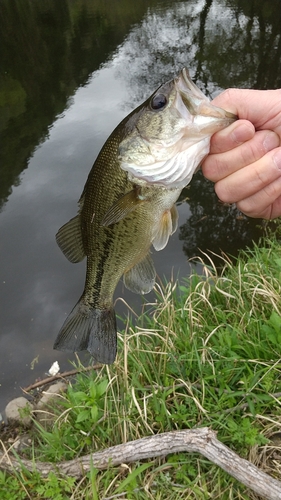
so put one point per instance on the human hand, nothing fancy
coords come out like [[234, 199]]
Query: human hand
[[245, 158]]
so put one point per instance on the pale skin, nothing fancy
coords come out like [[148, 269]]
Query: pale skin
[[245, 158]]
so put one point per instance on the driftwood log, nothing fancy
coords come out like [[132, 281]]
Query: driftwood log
[[202, 440]]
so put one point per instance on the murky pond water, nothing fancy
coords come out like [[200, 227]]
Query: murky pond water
[[71, 71]]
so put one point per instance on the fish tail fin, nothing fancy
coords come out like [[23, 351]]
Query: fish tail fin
[[91, 329]]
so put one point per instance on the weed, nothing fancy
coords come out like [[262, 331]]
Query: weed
[[207, 356]]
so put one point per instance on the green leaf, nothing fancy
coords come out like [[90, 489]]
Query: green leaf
[[275, 321], [132, 477], [83, 415], [94, 413], [93, 390], [80, 396], [273, 338], [101, 388], [266, 329], [251, 406]]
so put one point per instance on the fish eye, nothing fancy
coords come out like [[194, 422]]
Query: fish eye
[[158, 101]]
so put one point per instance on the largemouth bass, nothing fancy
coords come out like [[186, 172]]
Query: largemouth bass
[[128, 204]]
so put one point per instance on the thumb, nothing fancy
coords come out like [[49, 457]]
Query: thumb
[[261, 107]]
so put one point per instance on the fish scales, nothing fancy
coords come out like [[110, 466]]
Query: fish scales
[[128, 205], [118, 247]]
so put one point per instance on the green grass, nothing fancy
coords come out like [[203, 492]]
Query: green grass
[[209, 356]]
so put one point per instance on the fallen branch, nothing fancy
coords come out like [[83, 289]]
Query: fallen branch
[[59, 376], [203, 441]]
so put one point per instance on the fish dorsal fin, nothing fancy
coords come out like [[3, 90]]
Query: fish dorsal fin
[[69, 239], [126, 204], [167, 226], [141, 277]]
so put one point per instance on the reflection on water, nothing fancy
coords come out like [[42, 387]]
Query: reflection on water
[[71, 70], [214, 226]]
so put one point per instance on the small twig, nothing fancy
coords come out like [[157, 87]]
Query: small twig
[[69, 373], [202, 440]]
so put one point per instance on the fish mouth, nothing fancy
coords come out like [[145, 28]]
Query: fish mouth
[[170, 158], [197, 103]]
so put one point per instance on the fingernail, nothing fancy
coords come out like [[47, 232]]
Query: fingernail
[[277, 158], [270, 141], [242, 133]]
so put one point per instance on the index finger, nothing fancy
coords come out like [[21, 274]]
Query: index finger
[[229, 138]]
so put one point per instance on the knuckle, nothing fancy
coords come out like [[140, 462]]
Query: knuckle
[[272, 191], [222, 193], [209, 168], [252, 151], [228, 94], [246, 207]]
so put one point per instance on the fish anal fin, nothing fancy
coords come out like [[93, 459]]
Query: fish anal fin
[[69, 239], [167, 226], [122, 207], [91, 329], [141, 277]]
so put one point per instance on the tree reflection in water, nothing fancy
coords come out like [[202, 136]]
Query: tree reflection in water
[[214, 226], [56, 47]]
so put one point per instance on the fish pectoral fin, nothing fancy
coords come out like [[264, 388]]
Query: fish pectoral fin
[[69, 239], [126, 204], [141, 277], [167, 226]]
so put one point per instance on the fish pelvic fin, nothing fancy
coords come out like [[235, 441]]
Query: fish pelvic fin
[[91, 329], [141, 277], [167, 227], [122, 207], [69, 239], [175, 218]]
